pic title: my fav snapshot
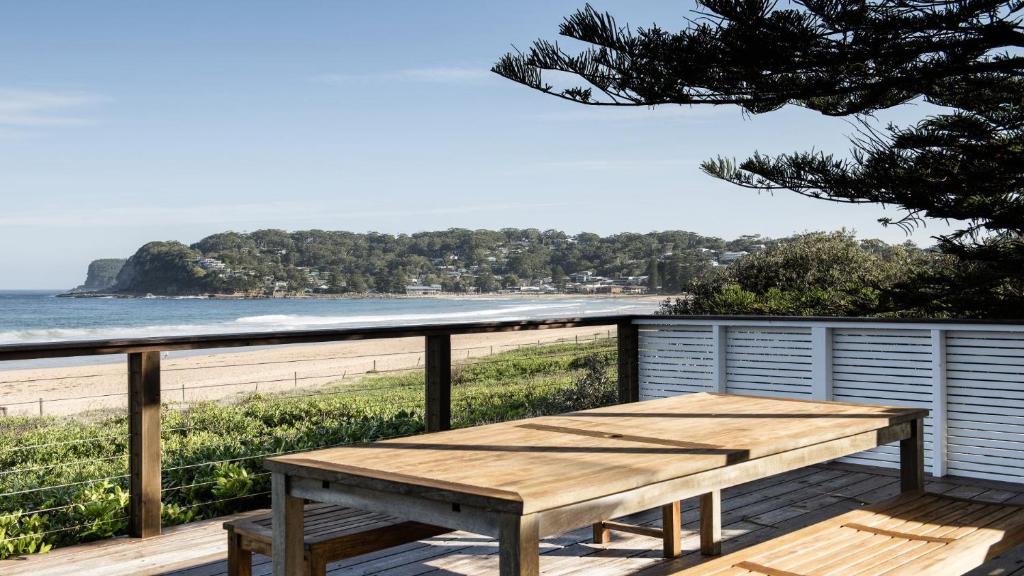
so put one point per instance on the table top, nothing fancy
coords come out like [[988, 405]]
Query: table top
[[552, 461]]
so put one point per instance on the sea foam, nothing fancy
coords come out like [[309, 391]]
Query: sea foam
[[500, 310]]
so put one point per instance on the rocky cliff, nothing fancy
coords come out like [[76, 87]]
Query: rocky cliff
[[102, 275]]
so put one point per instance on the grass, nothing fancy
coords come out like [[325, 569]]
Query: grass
[[64, 480]]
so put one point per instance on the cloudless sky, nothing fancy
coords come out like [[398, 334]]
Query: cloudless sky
[[123, 122]]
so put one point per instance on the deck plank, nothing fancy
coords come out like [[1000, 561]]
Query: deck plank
[[752, 513]]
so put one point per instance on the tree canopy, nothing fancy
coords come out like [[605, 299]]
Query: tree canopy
[[816, 274], [963, 162], [459, 260]]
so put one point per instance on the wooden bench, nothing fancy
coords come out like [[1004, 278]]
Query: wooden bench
[[915, 534], [331, 533]]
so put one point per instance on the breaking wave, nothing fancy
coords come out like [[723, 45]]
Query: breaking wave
[[495, 311]]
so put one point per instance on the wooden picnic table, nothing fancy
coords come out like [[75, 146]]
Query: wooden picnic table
[[524, 480]]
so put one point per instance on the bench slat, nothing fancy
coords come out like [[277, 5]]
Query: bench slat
[[330, 533], [914, 534], [320, 523]]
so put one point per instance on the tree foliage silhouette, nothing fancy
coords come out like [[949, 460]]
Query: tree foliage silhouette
[[963, 162]]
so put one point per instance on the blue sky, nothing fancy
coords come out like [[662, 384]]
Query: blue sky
[[124, 122]]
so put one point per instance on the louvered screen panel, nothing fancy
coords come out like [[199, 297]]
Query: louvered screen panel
[[884, 366], [675, 360], [985, 404], [767, 361], [878, 363]]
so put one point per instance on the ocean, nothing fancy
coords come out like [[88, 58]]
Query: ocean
[[39, 316]]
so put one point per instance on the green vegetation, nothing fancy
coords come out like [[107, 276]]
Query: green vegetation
[[812, 275], [961, 161], [63, 480], [268, 261]]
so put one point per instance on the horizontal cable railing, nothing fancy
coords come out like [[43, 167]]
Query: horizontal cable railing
[[185, 438]]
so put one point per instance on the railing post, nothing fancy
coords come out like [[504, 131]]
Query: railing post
[[719, 349], [144, 443], [821, 362], [940, 421], [629, 361], [438, 376]]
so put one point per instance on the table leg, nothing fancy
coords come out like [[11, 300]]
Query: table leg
[[912, 458], [711, 523], [288, 529], [518, 546], [671, 531]]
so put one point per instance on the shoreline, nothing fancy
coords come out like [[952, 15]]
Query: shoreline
[[370, 296], [219, 376], [42, 319]]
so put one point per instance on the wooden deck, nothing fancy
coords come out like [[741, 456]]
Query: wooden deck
[[752, 513]]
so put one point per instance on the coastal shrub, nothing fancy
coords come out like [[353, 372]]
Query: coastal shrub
[[815, 274], [103, 510], [22, 533], [592, 388], [65, 480], [172, 514]]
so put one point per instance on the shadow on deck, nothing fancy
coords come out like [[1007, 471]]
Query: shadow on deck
[[752, 513]]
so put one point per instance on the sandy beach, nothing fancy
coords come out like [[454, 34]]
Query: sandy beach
[[78, 389]]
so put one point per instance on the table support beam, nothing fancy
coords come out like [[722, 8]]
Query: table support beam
[[912, 458], [613, 526], [711, 523], [288, 523], [671, 530], [518, 546], [594, 511]]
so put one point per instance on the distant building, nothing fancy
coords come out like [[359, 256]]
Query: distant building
[[421, 289], [211, 264], [730, 257]]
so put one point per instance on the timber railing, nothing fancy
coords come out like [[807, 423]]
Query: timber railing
[[143, 393], [969, 374]]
